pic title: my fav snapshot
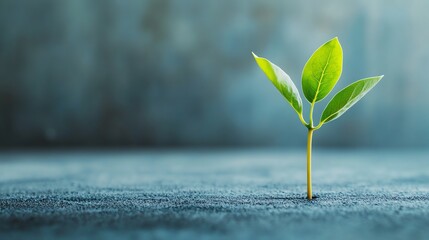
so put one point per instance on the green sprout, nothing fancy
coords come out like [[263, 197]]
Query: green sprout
[[319, 76]]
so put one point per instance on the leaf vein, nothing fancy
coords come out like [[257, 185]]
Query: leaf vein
[[319, 82]]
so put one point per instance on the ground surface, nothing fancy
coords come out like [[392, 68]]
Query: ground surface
[[213, 195]]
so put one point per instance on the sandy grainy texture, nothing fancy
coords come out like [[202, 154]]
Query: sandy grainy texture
[[213, 195]]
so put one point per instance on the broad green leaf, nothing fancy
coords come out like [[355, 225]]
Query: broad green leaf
[[322, 71], [347, 97], [281, 81]]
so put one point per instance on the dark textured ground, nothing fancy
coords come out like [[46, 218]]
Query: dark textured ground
[[213, 195]]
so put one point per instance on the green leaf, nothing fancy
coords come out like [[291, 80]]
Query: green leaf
[[347, 97], [282, 82], [322, 71]]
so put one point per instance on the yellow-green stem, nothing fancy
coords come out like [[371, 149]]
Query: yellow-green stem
[[309, 142], [311, 115]]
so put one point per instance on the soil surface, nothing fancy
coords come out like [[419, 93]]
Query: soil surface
[[257, 194]]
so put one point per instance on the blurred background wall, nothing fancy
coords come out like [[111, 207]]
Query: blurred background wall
[[179, 73]]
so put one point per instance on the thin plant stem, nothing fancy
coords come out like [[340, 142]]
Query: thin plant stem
[[309, 142]]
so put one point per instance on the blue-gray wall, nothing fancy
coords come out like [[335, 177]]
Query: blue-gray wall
[[180, 72]]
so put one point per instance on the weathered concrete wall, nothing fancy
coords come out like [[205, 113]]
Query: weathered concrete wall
[[180, 73]]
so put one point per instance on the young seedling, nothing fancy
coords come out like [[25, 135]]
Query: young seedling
[[319, 76]]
